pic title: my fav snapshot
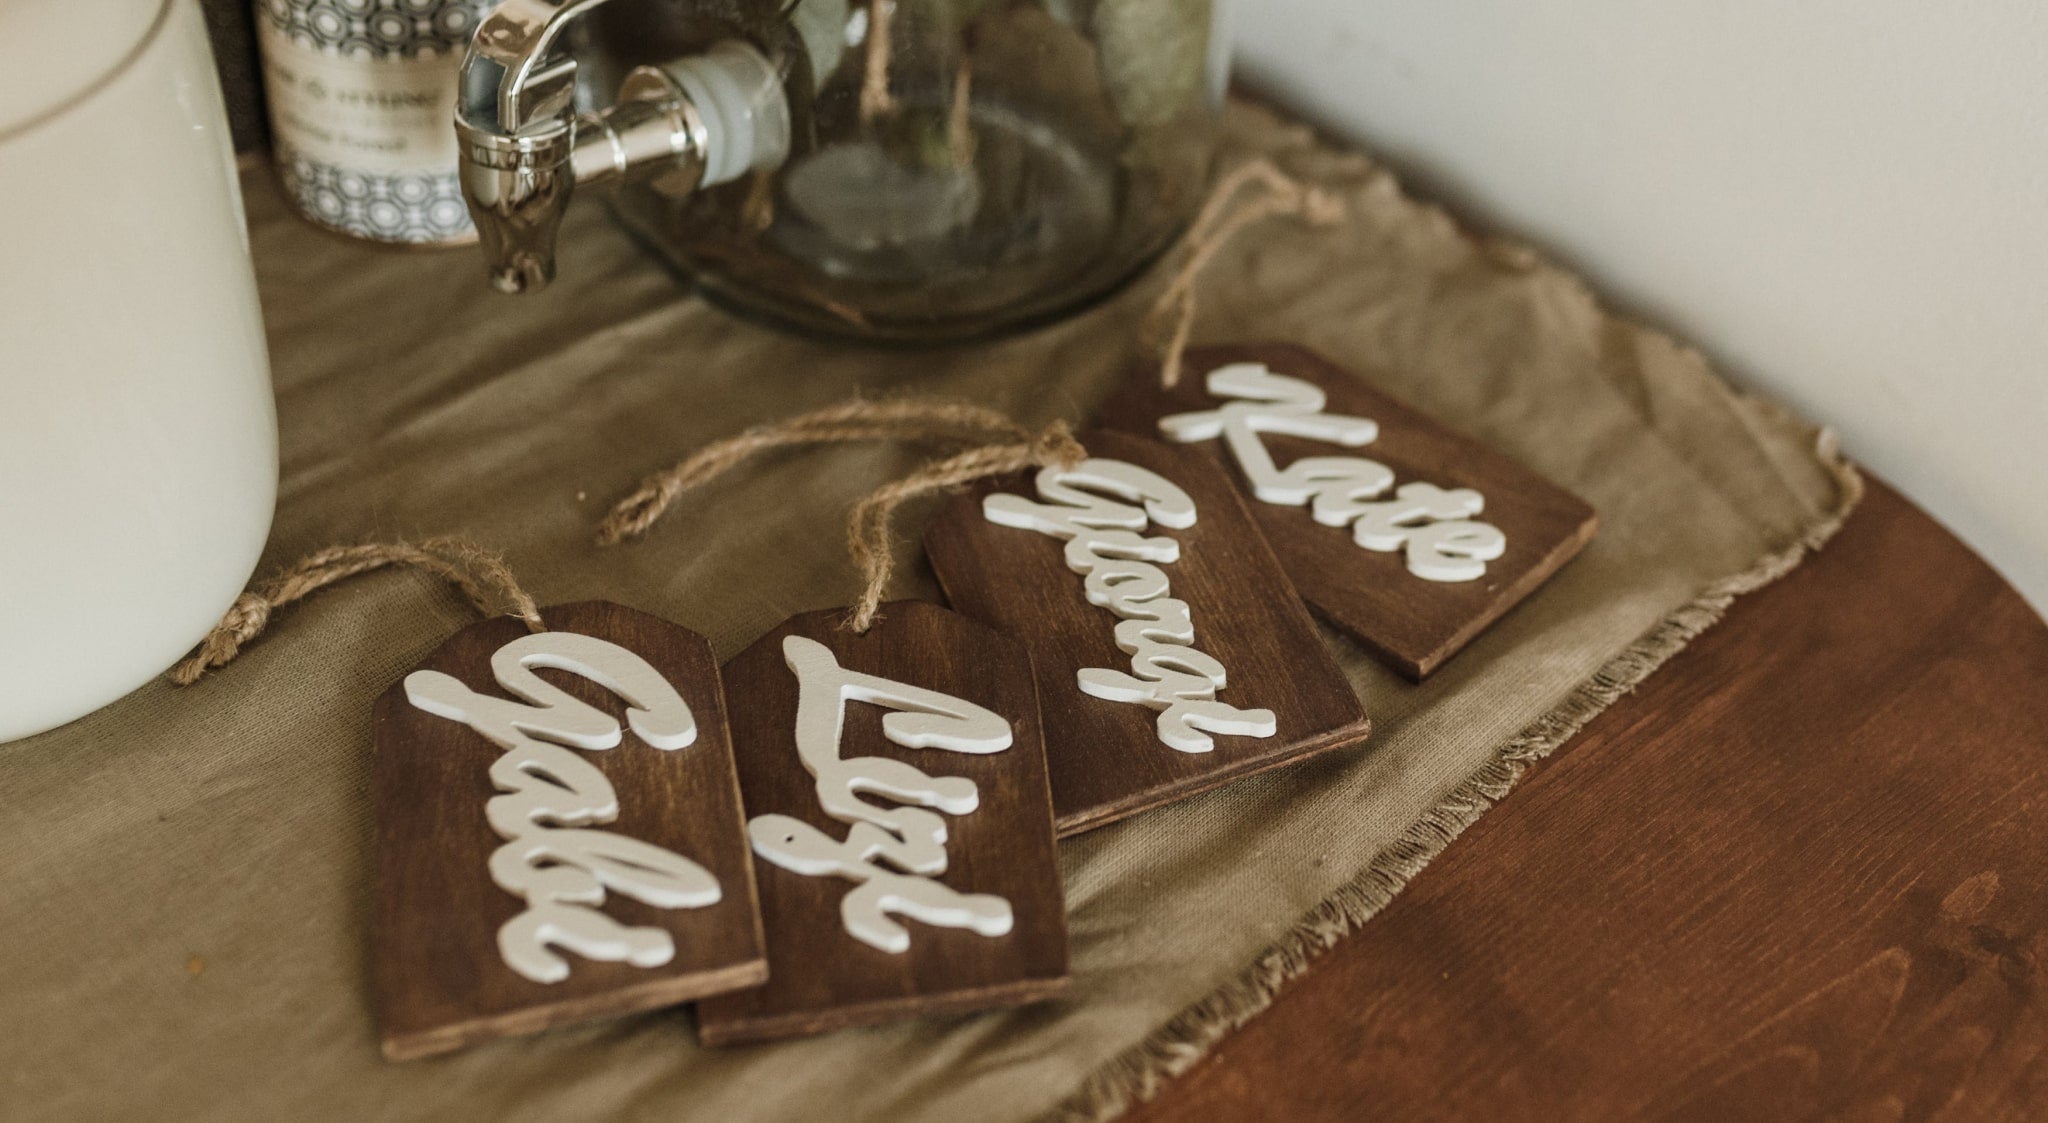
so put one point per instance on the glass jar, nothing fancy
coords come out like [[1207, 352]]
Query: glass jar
[[953, 168]]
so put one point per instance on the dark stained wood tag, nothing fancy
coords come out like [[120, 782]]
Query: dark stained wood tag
[[1408, 536], [896, 797], [1199, 667], [559, 836]]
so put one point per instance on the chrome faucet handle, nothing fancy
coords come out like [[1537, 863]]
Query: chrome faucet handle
[[524, 153], [512, 77]]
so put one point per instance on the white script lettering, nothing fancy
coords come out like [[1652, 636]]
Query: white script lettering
[[906, 836], [552, 797], [1442, 541], [1090, 506]]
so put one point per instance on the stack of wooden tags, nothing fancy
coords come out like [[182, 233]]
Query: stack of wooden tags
[[839, 829]]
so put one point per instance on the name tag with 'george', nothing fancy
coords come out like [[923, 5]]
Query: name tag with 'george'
[[1172, 651]]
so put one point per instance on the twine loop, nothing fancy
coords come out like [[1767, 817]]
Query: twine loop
[[999, 446], [867, 529], [481, 576], [848, 421], [1229, 209], [875, 98]]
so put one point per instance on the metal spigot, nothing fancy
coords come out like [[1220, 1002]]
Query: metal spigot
[[698, 121]]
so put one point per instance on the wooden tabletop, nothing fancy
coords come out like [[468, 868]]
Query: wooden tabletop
[[1802, 872]]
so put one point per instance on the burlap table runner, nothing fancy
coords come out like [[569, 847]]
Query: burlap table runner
[[186, 874]]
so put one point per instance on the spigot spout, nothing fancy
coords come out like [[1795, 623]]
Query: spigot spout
[[518, 189], [515, 137], [700, 120]]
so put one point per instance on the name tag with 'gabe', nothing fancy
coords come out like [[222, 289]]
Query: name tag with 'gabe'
[[559, 835]]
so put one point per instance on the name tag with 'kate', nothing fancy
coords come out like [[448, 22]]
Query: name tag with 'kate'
[[1408, 536]]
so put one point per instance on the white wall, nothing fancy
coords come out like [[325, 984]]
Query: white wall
[[1844, 202]]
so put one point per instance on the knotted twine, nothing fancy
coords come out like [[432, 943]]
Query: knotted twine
[[479, 574], [1227, 211], [1001, 446]]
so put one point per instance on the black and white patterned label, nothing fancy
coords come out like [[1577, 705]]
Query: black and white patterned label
[[389, 208], [382, 29], [362, 101]]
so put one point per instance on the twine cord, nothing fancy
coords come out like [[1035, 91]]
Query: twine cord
[[867, 530], [960, 116], [1227, 211], [478, 574], [999, 446], [848, 421], [875, 98]]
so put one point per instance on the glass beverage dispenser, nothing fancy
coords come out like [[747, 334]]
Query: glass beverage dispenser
[[910, 170]]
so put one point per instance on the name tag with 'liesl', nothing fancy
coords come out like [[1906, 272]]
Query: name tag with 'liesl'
[[559, 834], [895, 787]]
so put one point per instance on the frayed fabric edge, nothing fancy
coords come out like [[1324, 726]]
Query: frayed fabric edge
[[1142, 1070]]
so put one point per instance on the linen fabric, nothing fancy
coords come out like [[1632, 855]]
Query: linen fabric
[[187, 873]]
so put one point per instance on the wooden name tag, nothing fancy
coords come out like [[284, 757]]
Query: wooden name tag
[[559, 835], [1409, 537], [896, 796], [1173, 654]]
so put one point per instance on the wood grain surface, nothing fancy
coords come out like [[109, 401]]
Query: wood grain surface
[[1106, 758], [1802, 873], [1414, 625], [441, 983], [821, 977]]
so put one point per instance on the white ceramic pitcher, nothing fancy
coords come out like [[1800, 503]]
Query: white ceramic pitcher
[[138, 442]]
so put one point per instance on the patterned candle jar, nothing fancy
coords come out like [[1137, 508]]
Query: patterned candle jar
[[361, 94]]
